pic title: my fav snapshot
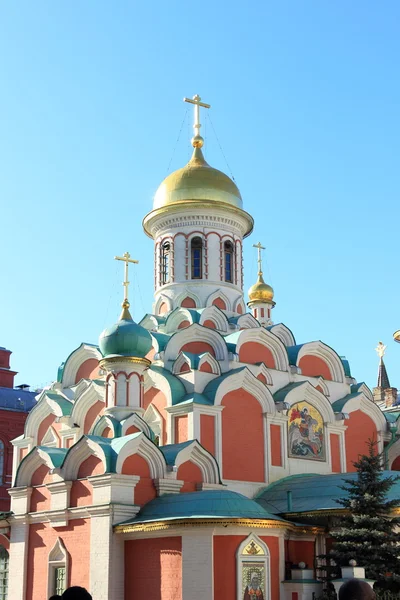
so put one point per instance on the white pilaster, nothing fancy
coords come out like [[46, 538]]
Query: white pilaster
[[18, 557], [197, 565]]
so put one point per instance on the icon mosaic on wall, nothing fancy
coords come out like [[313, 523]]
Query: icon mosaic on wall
[[306, 432]]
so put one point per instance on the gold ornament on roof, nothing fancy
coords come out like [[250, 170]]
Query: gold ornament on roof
[[126, 258], [396, 336], [380, 349], [261, 291]]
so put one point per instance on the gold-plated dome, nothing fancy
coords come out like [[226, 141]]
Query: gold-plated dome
[[197, 181], [396, 336], [261, 291]]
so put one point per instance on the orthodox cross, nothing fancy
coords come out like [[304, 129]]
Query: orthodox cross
[[196, 101], [126, 258], [259, 260], [380, 349]]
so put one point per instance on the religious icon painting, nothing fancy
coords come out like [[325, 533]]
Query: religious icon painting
[[253, 580], [306, 437]]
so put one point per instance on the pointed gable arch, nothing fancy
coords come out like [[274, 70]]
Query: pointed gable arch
[[163, 305], [163, 380], [207, 360], [199, 456], [261, 338], [247, 321], [219, 300], [325, 355], [151, 322], [216, 316], [79, 452], [360, 401], [320, 385], [69, 370], [178, 316], [239, 307], [253, 556], [283, 333], [91, 396], [135, 421], [240, 379], [196, 334], [104, 422], [305, 392], [263, 375], [49, 406], [36, 458], [156, 424], [138, 443], [188, 299]]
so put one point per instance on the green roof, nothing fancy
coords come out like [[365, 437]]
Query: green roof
[[64, 404], [281, 394], [211, 388], [311, 492], [162, 339], [207, 504], [346, 366], [339, 404], [178, 390], [57, 455], [170, 451]]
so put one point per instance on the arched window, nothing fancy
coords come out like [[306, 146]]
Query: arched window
[[3, 573], [165, 262], [228, 257], [197, 258], [1, 464]]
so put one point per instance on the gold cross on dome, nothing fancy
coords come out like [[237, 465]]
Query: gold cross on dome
[[126, 258], [196, 100], [259, 260], [380, 349]]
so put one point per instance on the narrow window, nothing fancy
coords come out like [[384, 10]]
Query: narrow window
[[165, 262], [228, 252], [197, 257], [3, 573], [59, 580], [1, 461]]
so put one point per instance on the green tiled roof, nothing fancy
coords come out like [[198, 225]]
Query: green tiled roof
[[64, 404], [57, 455], [339, 404], [346, 366], [293, 352], [311, 492], [208, 504], [162, 339], [281, 394], [211, 388], [170, 451], [195, 398]]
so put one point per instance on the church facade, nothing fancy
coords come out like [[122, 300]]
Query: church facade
[[186, 456]]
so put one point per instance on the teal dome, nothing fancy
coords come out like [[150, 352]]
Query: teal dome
[[125, 338]]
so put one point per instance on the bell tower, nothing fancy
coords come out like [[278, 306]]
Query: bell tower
[[198, 225]]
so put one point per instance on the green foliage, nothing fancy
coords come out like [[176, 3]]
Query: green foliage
[[367, 531]]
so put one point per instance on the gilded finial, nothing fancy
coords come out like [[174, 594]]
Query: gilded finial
[[197, 141], [396, 336], [259, 259], [380, 350], [126, 258]]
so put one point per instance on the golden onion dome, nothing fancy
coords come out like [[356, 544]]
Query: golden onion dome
[[197, 181], [261, 291], [396, 336]]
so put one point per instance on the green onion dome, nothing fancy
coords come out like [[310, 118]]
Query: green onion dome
[[125, 338]]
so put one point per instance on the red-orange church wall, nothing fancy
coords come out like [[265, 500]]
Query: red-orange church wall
[[335, 453], [297, 551], [43, 427], [42, 537], [181, 429], [92, 415], [313, 366], [159, 401], [253, 352], [396, 464], [225, 565], [153, 568], [198, 348], [276, 446], [360, 428], [210, 324], [144, 489], [88, 370], [40, 498], [242, 437], [207, 433], [191, 475]]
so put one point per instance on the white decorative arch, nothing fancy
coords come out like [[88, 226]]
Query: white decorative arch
[[100, 425], [176, 317], [362, 388], [214, 364], [188, 293], [163, 299], [35, 459], [45, 406], [263, 370], [160, 381], [219, 294], [267, 339], [179, 362], [253, 555], [327, 354], [149, 322], [79, 452], [75, 360], [239, 302], [58, 558], [50, 439], [362, 402], [322, 384], [155, 421], [84, 403], [199, 456], [283, 333], [244, 379], [135, 420], [215, 314], [140, 444], [305, 392], [247, 321], [194, 333]]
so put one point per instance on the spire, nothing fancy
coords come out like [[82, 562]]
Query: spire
[[126, 258], [197, 140], [383, 379]]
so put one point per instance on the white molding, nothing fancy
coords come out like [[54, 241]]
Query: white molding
[[142, 446], [75, 360], [260, 335], [193, 333], [244, 379], [58, 557], [264, 560], [328, 355]]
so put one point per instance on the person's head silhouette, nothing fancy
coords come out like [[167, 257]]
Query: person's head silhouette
[[356, 589], [76, 593]]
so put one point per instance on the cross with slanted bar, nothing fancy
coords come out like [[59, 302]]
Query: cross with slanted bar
[[196, 101], [259, 260], [126, 258]]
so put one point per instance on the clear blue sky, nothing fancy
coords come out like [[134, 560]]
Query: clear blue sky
[[305, 100]]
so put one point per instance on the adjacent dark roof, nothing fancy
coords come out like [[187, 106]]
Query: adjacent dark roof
[[16, 400], [383, 378]]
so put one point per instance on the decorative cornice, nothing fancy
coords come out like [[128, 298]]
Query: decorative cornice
[[105, 362]]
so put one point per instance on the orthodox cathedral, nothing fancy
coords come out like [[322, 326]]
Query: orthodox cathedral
[[197, 454]]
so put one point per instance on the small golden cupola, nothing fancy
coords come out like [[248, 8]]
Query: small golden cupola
[[261, 295]]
